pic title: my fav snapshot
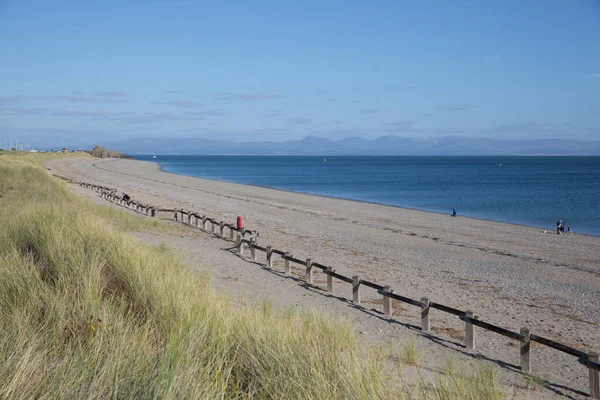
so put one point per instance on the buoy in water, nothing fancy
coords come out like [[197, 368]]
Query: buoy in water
[[324, 160]]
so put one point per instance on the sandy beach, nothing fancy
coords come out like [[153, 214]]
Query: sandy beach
[[510, 275]]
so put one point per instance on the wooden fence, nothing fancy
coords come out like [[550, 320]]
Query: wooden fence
[[424, 305]]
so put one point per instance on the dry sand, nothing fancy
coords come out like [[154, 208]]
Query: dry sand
[[510, 275]]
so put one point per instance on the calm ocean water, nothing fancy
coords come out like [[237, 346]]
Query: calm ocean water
[[533, 191]]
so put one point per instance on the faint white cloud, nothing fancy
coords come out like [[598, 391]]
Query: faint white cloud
[[13, 99], [275, 115], [404, 124], [150, 117], [456, 107], [90, 99], [248, 97], [90, 113], [111, 94], [298, 121], [543, 129], [213, 112], [129, 117], [369, 111], [595, 76], [178, 103], [22, 111]]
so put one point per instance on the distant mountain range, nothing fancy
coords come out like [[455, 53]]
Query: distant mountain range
[[385, 145]]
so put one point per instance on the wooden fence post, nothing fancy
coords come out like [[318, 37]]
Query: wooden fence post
[[309, 271], [269, 256], [240, 243], [525, 351], [204, 222], [214, 227], [469, 331], [288, 268], [222, 229], [329, 280], [425, 314], [231, 233], [356, 289], [253, 251], [594, 377], [387, 302]]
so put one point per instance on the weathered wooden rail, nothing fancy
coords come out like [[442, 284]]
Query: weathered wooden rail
[[590, 360]]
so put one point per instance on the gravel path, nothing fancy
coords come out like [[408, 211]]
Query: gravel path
[[510, 275]]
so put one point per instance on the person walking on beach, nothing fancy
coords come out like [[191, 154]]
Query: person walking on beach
[[560, 227], [454, 212]]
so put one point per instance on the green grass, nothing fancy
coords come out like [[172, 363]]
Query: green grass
[[411, 354], [86, 311], [481, 383], [535, 383]]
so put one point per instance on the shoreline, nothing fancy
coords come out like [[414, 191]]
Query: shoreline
[[549, 229]]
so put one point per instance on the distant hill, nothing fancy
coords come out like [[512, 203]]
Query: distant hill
[[385, 145], [101, 152]]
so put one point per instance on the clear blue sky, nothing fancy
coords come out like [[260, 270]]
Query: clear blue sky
[[79, 72]]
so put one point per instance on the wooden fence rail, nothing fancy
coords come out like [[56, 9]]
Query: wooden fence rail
[[590, 360]]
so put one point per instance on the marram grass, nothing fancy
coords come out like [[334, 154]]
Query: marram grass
[[86, 311]]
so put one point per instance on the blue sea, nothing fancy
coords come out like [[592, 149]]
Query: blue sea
[[533, 191]]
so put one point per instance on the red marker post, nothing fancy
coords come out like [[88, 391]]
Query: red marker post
[[240, 223]]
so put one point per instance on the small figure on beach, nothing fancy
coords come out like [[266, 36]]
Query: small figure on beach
[[454, 212], [126, 197], [560, 227]]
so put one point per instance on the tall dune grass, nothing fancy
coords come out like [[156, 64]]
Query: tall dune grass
[[88, 312]]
